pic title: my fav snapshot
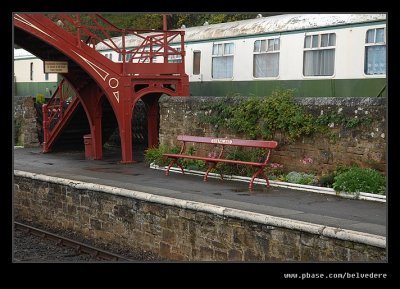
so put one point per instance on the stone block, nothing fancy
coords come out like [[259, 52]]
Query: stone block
[[206, 253], [168, 236], [308, 254], [307, 239], [235, 255], [220, 255], [250, 255], [165, 250], [95, 223]]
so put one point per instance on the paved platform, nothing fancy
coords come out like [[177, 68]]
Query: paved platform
[[363, 216]]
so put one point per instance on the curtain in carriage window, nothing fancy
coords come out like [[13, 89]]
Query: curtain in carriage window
[[266, 58], [319, 54], [375, 52], [222, 61], [319, 62]]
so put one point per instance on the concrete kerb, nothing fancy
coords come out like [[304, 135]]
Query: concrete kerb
[[308, 188], [342, 234]]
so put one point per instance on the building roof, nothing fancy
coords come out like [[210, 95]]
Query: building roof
[[22, 53]]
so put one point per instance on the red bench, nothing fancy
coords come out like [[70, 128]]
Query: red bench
[[223, 142]]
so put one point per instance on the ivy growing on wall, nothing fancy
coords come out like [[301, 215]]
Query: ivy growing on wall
[[262, 117]]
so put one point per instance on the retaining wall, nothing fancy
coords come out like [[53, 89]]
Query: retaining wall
[[177, 229]]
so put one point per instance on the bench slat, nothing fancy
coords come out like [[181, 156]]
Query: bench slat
[[214, 160], [226, 141]]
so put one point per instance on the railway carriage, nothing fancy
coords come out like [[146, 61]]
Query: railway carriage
[[321, 55]]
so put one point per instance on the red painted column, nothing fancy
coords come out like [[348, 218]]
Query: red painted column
[[152, 121], [96, 132], [124, 118], [90, 99]]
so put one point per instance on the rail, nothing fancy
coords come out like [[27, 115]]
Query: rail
[[78, 246], [55, 109], [152, 45]]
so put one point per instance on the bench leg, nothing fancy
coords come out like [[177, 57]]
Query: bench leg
[[174, 161], [259, 172], [210, 168]]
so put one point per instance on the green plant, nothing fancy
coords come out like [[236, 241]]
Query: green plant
[[234, 153], [262, 117], [274, 170], [340, 169], [340, 119], [154, 155], [358, 179], [197, 165], [301, 178], [39, 98], [191, 150], [18, 121], [327, 180]]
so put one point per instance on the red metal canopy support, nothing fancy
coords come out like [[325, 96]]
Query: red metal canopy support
[[145, 64]]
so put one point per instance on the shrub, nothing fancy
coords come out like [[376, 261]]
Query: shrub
[[154, 155], [243, 154], [327, 181], [301, 178], [274, 170], [39, 98], [18, 122], [189, 164], [360, 180]]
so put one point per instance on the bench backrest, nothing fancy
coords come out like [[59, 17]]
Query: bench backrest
[[229, 141]]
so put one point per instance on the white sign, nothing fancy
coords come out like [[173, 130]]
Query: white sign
[[221, 141], [55, 67]]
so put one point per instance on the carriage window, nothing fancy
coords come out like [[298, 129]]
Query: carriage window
[[319, 54], [196, 62], [222, 60], [177, 58], [46, 76], [119, 56], [266, 58], [375, 52]]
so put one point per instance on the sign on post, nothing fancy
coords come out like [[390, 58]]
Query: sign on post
[[55, 66]]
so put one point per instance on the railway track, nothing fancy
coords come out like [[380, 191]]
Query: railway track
[[79, 247]]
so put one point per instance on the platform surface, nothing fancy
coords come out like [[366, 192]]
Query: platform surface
[[358, 215]]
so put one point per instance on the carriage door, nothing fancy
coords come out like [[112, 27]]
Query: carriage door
[[196, 72]]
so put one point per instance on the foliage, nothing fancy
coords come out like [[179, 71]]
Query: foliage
[[39, 98], [154, 155], [341, 169], [175, 21], [301, 178], [189, 164], [274, 170], [136, 21], [155, 20], [360, 180], [341, 119], [18, 121], [243, 154], [262, 117], [327, 180]]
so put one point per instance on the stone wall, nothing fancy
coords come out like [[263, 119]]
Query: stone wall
[[364, 145], [180, 230], [25, 126]]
